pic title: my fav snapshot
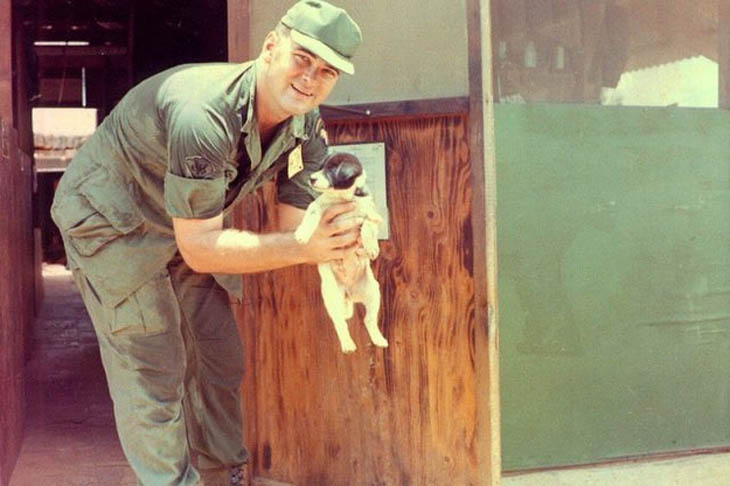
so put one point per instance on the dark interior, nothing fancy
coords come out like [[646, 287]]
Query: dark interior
[[88, 53]]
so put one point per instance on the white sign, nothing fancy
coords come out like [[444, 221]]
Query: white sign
[[372, 157]]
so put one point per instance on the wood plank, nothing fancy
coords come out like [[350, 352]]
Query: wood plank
[[587, 69], [395, 109], [251, 215], [238, 25], [405, 415], [239, 19], [6, 68], [21, 79], [16, 265], [723, 48], [483, 220], [80, 51]]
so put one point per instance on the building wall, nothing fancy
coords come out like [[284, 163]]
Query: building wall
[[412, 49], [614, 275]]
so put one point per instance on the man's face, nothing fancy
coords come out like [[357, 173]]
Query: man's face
[[296, 80]]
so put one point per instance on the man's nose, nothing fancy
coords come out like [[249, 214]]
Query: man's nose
[[310, 73]]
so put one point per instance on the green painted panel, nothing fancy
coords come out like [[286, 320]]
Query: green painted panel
[[614, 281]]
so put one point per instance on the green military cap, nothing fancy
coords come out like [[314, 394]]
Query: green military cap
[[325, 30]]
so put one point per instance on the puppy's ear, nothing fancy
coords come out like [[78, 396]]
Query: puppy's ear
[[343, 169]]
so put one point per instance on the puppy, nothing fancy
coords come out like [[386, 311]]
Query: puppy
[[350, 280]]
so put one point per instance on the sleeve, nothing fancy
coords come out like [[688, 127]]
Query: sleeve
[[198, 144], [296, 191]]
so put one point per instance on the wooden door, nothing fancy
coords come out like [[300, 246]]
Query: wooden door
[[414, 413]]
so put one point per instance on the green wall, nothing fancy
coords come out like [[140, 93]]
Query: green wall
[[614, 281], [425, 39]]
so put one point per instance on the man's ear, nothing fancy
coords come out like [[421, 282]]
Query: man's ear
[[270, 42]]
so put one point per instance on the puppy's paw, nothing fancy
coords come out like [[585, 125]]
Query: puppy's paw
[[348, 346], [301, 235], [372, 251], [380, 342]]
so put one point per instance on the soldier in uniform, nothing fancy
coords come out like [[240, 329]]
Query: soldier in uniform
[[142, 209]]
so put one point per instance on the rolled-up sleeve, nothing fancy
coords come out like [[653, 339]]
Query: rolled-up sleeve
[[198, 142], [296, 191]]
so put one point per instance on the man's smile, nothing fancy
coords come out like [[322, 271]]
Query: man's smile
[[303, 93]]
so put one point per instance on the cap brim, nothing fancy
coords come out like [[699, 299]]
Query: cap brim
[[329, 55]]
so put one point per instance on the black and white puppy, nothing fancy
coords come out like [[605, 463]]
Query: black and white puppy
[[350, 280]]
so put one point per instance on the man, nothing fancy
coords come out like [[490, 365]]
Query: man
[[142, 209]]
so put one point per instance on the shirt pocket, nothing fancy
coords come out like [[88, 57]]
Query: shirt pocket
[[98, 211]]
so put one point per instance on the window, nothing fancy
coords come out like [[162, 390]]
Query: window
[[609, 52]]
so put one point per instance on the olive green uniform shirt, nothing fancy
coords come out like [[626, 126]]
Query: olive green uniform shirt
[[183, 143]]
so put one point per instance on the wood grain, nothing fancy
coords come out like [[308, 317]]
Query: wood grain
[[395, 109], [6, 66], [239, 19], [405, 415], [16, 292]]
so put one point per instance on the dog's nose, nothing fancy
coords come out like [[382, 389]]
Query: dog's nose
[[312, 180]]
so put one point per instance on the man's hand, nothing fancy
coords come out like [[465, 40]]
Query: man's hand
[[336, 235]]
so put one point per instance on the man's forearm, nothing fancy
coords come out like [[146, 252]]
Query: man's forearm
[[208, 248], [235, 251]]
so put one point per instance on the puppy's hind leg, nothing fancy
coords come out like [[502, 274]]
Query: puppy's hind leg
[[371, 299], [334, 301]]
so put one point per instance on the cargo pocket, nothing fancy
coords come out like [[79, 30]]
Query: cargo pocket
[[100, 211], [151, 309]]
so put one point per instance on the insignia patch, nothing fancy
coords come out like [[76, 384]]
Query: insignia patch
[[321, 131], [197, 167]]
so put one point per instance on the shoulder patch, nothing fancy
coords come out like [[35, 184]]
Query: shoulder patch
[[321, 132], [198, 167]]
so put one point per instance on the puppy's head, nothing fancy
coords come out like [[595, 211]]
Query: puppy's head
[[341, 172]]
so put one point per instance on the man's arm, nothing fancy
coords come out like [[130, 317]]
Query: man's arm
[[208, 248]]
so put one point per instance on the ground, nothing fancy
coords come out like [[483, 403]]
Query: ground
[[70, 437]]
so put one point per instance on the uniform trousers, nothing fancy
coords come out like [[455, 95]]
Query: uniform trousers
[[174, 364]]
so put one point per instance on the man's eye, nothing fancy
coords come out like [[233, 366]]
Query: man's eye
[[301, 59], [329, 73]]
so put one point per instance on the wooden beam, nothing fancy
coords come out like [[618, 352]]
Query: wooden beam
[[21, 108], [6, 65], [484, 205], [587, 69], [239, 19], [79, 51], [395, 109], [723, 53]]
